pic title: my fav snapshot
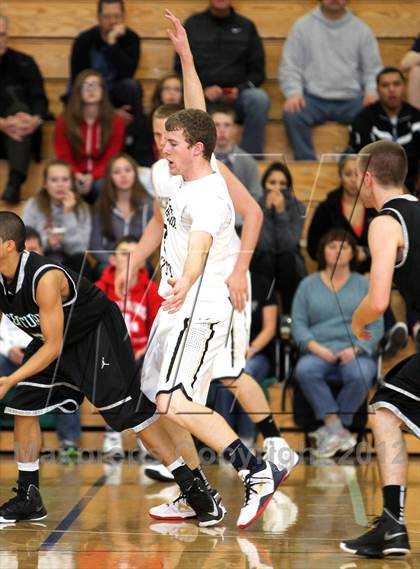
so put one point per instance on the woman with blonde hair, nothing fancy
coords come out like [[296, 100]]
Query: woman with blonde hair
[[89, 133]]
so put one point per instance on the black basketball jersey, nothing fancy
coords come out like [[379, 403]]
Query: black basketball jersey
[[82, 310], [406, 210]]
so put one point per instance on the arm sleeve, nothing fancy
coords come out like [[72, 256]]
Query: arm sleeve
[[256, 60], [116, 144], [360, 131], [62, 148], [318, 227], [125, 54], [289, 225], [37, 98], [292, 64], [96, 239], [370, 58], [300, 320], [253, 180], [77, 57], [33, 217], [78, 232]]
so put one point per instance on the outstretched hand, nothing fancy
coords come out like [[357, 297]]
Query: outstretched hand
[[178, 35]]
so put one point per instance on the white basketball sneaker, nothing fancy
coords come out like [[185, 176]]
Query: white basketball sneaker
[[260, 485], [277, 451], [179, 509]]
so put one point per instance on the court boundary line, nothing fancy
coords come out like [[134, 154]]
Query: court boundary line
[[57, 533]]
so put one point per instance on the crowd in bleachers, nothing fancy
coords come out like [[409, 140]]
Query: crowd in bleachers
[[97, 192]]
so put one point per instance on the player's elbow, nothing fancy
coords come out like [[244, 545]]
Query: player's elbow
[[379, 306]]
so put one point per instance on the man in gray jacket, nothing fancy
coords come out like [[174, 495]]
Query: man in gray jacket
[[241, 163], [330, 61]]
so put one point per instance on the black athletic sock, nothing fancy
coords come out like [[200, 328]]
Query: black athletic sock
[[184, 477], [394, 500], [240, 457], [28, 477], [267, 427], [199, 473]]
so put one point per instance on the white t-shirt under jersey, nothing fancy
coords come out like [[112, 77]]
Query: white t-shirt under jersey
[[199, 205], [163, 186]]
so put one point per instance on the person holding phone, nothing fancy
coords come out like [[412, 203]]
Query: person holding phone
[[60, 215]]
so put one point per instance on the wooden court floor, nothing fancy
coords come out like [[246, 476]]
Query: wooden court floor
[[98, 520]]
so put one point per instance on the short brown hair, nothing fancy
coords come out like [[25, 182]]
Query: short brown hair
[[336, 234], [197, 126], [386, 160], [166, 111]]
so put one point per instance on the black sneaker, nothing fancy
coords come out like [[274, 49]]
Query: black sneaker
[[26, 506], [397, 338], [388, 537], [209, 511]]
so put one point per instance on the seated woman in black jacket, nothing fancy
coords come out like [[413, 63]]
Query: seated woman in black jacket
[[341, 209], [277, 255]]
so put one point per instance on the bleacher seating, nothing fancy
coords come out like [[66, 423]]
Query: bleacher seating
[[46, 31]]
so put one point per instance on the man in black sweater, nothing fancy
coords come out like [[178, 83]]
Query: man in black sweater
[[229, 57], [392, 119], [23, 106], [113, 49]]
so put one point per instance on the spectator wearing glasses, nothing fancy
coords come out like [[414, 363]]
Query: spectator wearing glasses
[[88, 133], [113, 50]]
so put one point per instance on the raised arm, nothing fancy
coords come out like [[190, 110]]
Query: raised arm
[[193, 91]]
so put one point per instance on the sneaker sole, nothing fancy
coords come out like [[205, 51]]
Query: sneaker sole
[[385, 552], [214, 522], [9, 521], [172, 518], [263, 507], [156, 475]]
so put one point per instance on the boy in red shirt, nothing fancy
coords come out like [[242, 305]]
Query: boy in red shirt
[[139, 309]]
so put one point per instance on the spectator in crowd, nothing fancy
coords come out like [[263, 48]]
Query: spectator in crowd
[[230, 61], [260, 355], [168, 91], [61, 217], [113, 50], [330, 353], [123, 208], [13, 342], [139, 308], [23, 106], [391, 118], [278, 254], [342, 209], [410, 64], [330, 61], [233, 156], [88, 133]]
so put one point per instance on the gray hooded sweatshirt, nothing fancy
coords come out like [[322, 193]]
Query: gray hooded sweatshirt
[[331, 59]]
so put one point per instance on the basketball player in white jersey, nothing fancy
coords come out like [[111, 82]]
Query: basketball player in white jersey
[[230, 362]]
